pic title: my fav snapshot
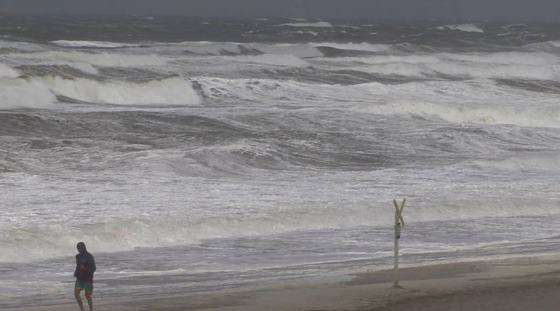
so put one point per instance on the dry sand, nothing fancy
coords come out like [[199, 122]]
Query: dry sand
[[528, 284]]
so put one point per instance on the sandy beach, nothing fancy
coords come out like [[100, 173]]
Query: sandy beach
[[512, 284]]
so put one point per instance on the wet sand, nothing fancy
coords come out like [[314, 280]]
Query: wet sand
[[513, 284]]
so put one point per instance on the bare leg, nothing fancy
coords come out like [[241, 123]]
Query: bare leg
[[78, 298], [89, 301]]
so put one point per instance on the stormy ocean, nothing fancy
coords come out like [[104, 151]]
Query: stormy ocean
[[195, 155]]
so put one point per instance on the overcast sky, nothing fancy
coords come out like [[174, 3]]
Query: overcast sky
[[522, 10]]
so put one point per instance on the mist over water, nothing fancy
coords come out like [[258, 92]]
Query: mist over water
[[271, 155]]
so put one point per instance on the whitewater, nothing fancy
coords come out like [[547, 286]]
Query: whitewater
[[231, 162]]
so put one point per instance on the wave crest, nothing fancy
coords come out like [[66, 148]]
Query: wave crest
[[42, 92], [22, 93], [91, 44], [167, 92], [462, 27], [8, 72]]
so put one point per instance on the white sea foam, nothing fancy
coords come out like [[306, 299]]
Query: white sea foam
[[271, 92], [309, 25], [42, 92], [462, 27], [220, 65], [21, 46], [309, 50], [302, 32], [8, 72], [273, 60], [300, 50], [167, 92], [23, 93], [105, 59], [217, 48], [363, 46], [482, 102], [519, 65], [458, 102], [92, 44], [462, 114], [57, 239]]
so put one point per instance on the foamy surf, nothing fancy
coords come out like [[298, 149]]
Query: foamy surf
[[309, 25], [8, 72], [166, 92], [91, 44], [23, 93], [272, 153], [43, 92], [462, 27]]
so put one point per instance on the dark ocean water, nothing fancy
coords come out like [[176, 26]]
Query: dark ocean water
[[177, 29]]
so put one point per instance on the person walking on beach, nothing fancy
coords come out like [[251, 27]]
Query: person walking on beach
[[85, 267]]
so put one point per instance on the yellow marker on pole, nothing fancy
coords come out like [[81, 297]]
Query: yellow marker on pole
[[399, 224]]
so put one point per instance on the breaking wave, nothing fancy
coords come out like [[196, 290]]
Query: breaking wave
[[83, 59], [92, 44], [462, 27], [273, 60], [57, 240], [531, 117], [309, 25], [167, 92], [21, 93], [22, 245], [8, 72], [541, 66], [42, 92], [483, 102]]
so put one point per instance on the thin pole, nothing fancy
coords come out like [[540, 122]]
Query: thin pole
[[396, 254], [399, 222]]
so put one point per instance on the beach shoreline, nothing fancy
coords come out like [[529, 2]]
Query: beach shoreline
[[529, 283]]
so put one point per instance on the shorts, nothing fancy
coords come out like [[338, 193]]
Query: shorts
[[87, 286]]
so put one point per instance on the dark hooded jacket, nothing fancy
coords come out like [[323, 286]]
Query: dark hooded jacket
[[85, 266]]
